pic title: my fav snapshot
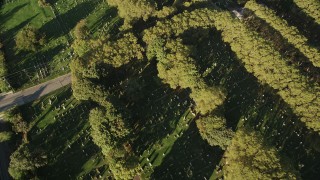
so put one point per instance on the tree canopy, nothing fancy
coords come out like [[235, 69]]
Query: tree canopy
[[213, 129], [249, 157], [28, 39]]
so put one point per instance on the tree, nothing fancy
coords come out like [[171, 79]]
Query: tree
[[133, 10], [110, 131], [310, 7], [290, 33], [175, 65], [14, 116], [268, 66], [178, 69], [213, 129], [24, 162], [81, 31], [3, 72], [29, 39], [207, 98], [5, 136], [43, 3], [249, 157]]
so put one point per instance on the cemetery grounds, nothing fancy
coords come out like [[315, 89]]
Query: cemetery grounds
[[26, 69]]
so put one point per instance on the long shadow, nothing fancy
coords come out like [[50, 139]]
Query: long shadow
[[66, 140], [289, 11], [280, 127], [227, 72], [9, 35], [288, 51], [157, 111], [68, 20], [108, 15], [190, 158], [66, 157], [34, 62], [260, 107], [41, 57], [7, 16]]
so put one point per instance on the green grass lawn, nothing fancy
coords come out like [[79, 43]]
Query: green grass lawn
[[62, 130]]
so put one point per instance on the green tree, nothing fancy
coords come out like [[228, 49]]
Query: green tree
[[290, 33], [29, 39], [81, 31], [213, 129], [110, 131], [207, 98], [5, 136], [248, 157], [43, 3], [133, 10], [178, 69], [24, 162], [19, 125], [3, 72], [310, 7], [267, 64]]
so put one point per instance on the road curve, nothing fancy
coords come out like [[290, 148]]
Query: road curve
[[33, 93]]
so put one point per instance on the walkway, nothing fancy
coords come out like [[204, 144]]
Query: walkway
[[33, 93]]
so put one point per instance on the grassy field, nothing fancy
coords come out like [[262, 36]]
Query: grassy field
[[57, 22], [59, 125]]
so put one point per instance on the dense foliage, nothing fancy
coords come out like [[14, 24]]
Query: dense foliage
[[111, 132], [3, 71], [178, 69], [5, 136], [23, 162], [213, 129], [310, 7], [261, 59], [19, 125], [28, 39], [248, 157], [168, 75], [290, 33]]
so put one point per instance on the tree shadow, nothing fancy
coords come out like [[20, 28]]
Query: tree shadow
[[220, 67], [157, 111], [107, 16], [7, 16], [9, 34], [289, 11], [67, 21], [190, 158]]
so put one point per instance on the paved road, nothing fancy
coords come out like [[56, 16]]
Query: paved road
[[33, 93]]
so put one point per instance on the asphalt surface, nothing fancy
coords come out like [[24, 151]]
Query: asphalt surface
[[19, 98], [33, 93]]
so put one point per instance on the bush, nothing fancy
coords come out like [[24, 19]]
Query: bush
[[43, 3], [24, 162], [5, 136], [81, 30], [14, 116], [28, 39], [3, 71]]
